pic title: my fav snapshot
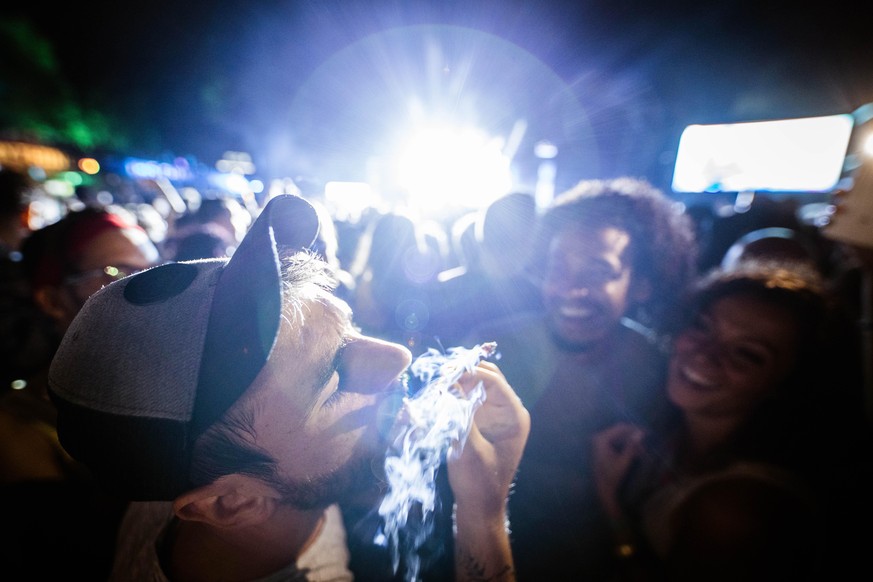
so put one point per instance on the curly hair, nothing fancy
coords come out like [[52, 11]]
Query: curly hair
[[663, 245]]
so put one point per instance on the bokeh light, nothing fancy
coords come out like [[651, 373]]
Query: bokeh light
[[89, 166]]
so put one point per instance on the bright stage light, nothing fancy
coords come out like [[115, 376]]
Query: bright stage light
[[449, 167], [348, 200]]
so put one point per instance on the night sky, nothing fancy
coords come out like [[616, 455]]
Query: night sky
[[315, 88]]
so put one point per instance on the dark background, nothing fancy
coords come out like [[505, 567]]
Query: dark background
[[311, 88]]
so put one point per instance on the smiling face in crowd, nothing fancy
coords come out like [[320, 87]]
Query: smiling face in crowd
[[735, 353], [588, 284]]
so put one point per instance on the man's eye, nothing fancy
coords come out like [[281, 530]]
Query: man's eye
[[333, 399]]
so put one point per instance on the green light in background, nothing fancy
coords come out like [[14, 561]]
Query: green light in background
[[73, 178]]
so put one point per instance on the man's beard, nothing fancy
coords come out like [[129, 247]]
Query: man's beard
[[360, 479], [362, 473], [572, 345]]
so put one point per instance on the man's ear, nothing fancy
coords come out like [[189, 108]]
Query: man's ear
[[231, 501], [52, 302]]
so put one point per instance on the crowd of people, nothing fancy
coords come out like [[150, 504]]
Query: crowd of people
[[201, 392]]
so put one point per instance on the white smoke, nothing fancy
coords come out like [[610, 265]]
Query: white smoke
[[434, 418]]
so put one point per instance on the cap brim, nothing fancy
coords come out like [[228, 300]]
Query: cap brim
[[246, 308]]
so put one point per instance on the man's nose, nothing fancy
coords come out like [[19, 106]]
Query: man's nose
[[375, 364], [571, 289]]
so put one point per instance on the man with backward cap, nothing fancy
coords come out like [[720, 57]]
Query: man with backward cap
[[235, 403]]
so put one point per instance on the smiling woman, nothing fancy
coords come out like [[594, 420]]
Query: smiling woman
[[751, 333], [737, 486]]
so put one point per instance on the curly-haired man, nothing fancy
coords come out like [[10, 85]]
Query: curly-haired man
[[612, 259]]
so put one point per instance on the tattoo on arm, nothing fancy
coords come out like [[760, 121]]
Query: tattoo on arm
[[474, 571]]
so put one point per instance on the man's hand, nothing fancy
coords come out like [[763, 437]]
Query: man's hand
[[482, 474]]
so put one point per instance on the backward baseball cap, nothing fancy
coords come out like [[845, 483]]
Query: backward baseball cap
[[151, 361]]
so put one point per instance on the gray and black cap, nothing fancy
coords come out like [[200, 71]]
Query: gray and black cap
[[151, 361]]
